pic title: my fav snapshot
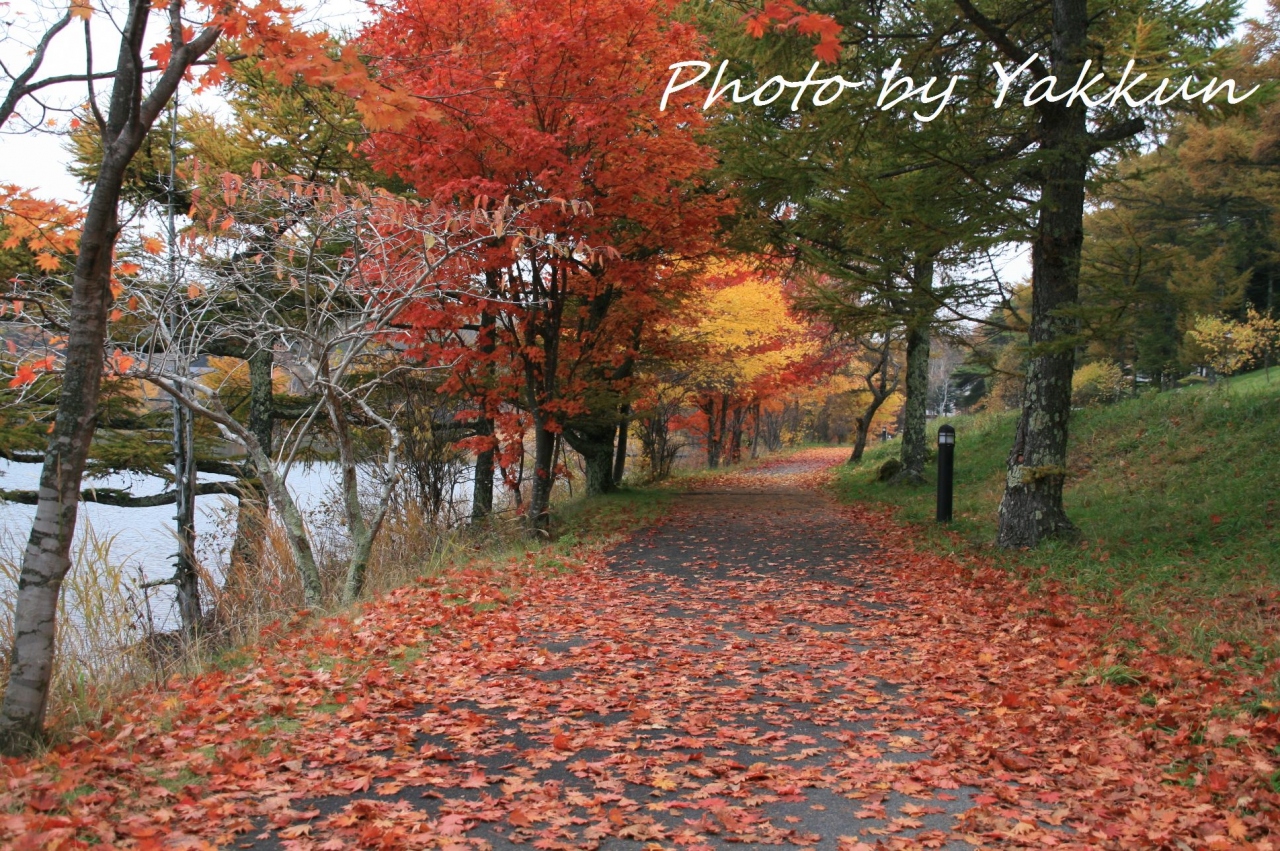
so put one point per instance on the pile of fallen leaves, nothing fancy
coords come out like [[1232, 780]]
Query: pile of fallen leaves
[[1137, 748], [690, 690]]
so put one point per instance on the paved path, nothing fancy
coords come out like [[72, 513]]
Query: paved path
[[712, 686]]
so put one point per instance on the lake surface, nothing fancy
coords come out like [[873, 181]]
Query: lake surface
[[143, 540]]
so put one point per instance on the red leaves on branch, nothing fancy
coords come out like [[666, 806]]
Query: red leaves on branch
[[24, 375], [161, 53], [119, 363], [49, 229], [552, 105], [780, 15], [27, 372]]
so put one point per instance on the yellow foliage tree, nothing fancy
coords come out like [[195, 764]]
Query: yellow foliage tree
[[747, 343]]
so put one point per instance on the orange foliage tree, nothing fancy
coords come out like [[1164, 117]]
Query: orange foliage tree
[[544, 100]]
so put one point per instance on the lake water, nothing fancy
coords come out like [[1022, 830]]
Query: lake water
[[145, 536], [143, 540]]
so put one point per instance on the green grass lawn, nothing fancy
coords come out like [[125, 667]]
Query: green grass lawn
[[1175, 494]]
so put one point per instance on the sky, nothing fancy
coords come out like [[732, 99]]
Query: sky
[[39, 161]]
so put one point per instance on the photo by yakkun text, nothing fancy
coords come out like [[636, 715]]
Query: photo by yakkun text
[[893, 92], [897, 89], [1045, 88]]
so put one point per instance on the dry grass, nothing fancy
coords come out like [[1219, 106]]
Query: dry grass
[[108, 643], [102, 619]]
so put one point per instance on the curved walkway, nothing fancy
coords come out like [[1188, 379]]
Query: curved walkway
[[709, 688]]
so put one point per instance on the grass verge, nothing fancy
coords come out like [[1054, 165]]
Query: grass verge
[[1175, 495]]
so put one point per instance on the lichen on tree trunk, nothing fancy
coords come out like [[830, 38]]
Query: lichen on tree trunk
[[915, 448]]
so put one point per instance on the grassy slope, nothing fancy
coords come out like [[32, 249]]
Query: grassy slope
[[1177, 497]]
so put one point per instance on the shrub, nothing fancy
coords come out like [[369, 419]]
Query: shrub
[[1097, 383]]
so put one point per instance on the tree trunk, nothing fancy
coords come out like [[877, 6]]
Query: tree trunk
[[915, 450], [262, 404], [362, 543], [755, 431], [542, 388], [655, 439], [361, 540], [277, 494], [595, 444], [599, 463], [735, 435], [482, 484], [357, 566], [862, 425], [715, 434], [544, 445], [723, 427], [620, 453], [1031, 509], [47, 557], [773, 422], [251, 514], [593, 440], [482, 487], [880, 386], [295, 531], [186, 580]]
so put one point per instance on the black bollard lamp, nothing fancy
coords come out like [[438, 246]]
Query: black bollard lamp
[[946, 471]]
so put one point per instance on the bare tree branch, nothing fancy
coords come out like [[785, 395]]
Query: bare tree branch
[[19, 89], [123, 498]]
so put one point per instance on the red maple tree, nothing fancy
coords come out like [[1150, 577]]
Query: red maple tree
[[537, 102]]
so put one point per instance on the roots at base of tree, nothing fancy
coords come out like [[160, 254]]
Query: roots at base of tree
[[908, 477], [20, 743], [1028, 517]]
